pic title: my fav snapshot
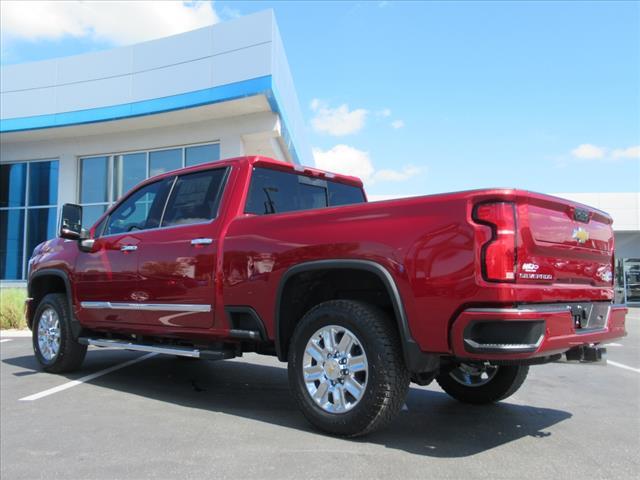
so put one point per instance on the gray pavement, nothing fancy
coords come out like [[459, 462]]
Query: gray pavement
[[170, 418]]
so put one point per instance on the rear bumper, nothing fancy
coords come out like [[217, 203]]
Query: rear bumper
[[530, 331]]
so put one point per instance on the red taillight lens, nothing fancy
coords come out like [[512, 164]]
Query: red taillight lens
[[499, 253]]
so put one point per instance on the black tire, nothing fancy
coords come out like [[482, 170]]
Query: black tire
[[387, 377], [70, 353], [506, 381]]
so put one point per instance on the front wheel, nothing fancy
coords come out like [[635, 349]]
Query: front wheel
[[53, 343], [346, 368], [481, 383]]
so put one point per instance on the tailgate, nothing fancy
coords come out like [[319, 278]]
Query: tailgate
[[563, 242]]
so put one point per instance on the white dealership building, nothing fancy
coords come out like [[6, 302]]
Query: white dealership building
[[86, 128]]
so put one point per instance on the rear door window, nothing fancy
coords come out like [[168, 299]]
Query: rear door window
[[195, 198], [273, 191]]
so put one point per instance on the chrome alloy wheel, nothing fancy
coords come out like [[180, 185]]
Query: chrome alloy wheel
[[335, 369], [49, 334], [473, 375]]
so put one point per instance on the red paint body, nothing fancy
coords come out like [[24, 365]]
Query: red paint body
[[431, 246]]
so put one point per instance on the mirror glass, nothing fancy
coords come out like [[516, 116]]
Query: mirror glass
[[71, 221]]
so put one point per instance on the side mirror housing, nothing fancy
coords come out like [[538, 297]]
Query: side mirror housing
[[71, 222]]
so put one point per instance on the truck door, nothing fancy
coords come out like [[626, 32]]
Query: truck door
[[106, 277], [177, 262]]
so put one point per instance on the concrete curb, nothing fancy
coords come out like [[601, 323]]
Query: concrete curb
[[14, 333]]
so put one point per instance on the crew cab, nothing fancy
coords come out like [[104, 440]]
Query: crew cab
[[257, 255]]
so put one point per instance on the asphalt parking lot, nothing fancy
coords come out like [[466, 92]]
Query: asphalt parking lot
[[162, 417]]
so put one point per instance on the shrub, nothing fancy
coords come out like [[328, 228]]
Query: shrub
[[12, 308]]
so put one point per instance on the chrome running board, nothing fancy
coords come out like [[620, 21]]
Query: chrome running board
[[163, 349]]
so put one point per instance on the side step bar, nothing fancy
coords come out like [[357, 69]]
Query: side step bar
[[164, 349]]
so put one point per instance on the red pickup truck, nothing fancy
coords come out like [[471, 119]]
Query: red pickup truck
[[257, 255]]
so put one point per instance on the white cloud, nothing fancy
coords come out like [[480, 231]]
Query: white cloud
[[630, 152], [348, 160], [337, 121], [111, 21], [345, 160], [385, 112], [397, 124], [586, 151]]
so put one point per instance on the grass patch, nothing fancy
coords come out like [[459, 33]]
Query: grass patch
[[12, 308]]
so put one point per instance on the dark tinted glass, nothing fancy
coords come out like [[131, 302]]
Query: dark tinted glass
[[129, 170], [94, 178], [195, 198], [202, 154], [163, 161], [141, 210], [43, 183], [273, 191], [41, 226], [12, 184], [11, 242], [341, 194]]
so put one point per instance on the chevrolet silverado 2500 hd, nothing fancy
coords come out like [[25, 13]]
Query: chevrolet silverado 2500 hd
[[256, 255]]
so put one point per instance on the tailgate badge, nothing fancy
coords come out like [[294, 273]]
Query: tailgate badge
[[581, 235]]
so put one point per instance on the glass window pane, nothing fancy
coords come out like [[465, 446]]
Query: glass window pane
[[342, 194], [194, 198], [11, 242], [94, 174], [129, 170], [141, 210], [273, 191], [90, 214], [163, 161], [41, 226], [12, 184], [43, 183], [202, 154]]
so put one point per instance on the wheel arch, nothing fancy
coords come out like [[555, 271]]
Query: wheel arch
[[415, 359], [50, 280]]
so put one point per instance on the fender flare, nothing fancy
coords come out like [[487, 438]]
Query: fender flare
[[415, 359], [76, 328]]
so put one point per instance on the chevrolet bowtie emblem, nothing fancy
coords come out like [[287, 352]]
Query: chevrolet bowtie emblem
[[580, 234]]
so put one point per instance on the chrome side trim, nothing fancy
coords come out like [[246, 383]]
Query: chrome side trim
[[148, 307], [182, 352], [542, 308]]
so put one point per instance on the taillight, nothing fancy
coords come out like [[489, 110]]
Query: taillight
[[499, 255]]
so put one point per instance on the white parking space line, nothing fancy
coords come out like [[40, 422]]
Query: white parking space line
[[613, 345], [85, 379], [5, 340], [621, 365]]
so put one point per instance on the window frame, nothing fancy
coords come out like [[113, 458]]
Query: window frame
[[26, 255], [174, 178]]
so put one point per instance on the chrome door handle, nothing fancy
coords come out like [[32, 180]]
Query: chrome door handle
[[128, 248], [201, 241]]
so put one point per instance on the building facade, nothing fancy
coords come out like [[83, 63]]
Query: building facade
[[84, 129]]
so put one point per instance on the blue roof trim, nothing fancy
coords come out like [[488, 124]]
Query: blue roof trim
[[222, 93]]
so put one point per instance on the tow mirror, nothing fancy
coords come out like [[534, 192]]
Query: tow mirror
[[71, 222]]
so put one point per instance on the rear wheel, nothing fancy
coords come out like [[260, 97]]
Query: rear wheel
[[480, 383], [346, 368], [53, 343]]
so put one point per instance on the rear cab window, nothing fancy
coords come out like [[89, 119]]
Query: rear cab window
[[273, 191]]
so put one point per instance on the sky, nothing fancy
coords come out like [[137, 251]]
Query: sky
[[414, 97]]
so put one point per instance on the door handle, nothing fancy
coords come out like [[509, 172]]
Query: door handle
[[201, 241], [128, 248]]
